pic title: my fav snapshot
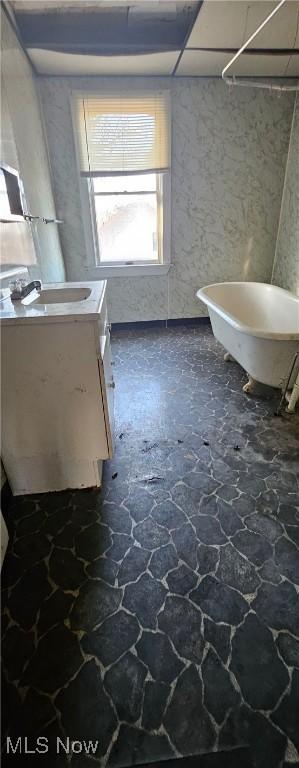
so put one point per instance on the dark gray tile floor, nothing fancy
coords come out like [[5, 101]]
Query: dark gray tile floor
[[160, 616]]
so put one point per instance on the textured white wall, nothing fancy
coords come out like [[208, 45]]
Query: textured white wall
[[286, 266], [229, 150], [23, 120]]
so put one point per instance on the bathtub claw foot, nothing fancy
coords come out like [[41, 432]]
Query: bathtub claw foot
[[292, 397], [249, 386], [228, 357]]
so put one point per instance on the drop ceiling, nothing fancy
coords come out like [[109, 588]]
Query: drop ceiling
[[158, 37]]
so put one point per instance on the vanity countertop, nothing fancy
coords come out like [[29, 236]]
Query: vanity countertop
[[29, 311]]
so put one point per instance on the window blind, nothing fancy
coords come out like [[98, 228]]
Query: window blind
[[123, 133]]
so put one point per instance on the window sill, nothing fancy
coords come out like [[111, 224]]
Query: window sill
[[134, 270]]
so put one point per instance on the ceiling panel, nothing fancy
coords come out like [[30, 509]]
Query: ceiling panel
[[228, 23], [219, 24], [210, 63], [281, 30], [146, 6], [53, 63], [249, 65], [108, 29], [293, 66], [142, 33], [204, 63]]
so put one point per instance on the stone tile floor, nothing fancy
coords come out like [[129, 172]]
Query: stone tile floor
[[160, 616]]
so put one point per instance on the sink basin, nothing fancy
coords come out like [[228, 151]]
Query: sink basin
[[61, 295], [74, 300]]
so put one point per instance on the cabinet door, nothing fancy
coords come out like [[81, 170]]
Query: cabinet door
[[107, 387]]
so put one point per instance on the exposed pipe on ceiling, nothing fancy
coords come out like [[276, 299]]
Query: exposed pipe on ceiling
[[233, 80]]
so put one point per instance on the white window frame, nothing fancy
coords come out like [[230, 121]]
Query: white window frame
[[104, 270]]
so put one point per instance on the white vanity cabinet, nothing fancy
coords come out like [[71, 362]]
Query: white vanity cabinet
[[57, 393]]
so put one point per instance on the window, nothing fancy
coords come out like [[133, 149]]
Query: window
[[127, 218], [123, 145]]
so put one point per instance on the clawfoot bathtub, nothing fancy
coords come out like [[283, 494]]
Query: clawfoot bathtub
[[258, 324]]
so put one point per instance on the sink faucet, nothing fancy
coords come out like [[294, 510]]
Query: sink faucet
[[20, 291]]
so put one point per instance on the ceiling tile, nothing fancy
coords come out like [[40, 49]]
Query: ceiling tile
[[280, 32], [54, 63], [210, 64], [219, 24], [203, 63], [293, 66], [228, 23], [249, 65], [107, 29]]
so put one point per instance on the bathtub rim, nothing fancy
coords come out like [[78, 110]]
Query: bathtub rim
[[237, 324]]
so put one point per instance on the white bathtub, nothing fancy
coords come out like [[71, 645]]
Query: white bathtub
[[258, 325]]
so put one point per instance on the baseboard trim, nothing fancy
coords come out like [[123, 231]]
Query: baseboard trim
[[147, 324], [6, 496], [191, 321]]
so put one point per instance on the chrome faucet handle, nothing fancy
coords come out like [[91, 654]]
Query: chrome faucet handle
[[20, 289]]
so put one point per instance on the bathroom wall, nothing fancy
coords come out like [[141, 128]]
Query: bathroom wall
[[286, 265], [23, 146], [229, 150]]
